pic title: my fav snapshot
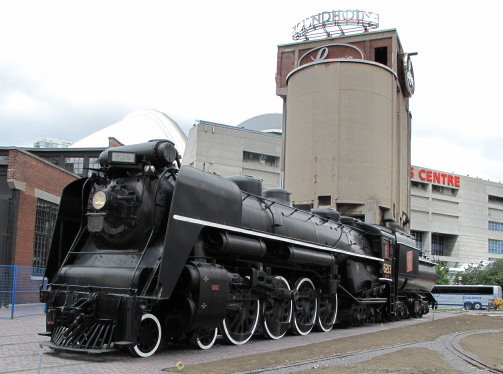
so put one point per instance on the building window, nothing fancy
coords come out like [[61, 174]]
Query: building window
[[94, 163], [324, 200], [496, 246], [418, 237], [495, 226], [498, 200], [419, 185], [75, 165], [437, 245], [261, 158], [444, 190], [45, 220], [381, 55]]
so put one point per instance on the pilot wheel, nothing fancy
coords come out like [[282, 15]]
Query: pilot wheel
[[149, 336]]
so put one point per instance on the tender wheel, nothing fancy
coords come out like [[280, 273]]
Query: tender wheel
[[241, 321], [204, 338], [327, 313], [477, 306], [277, 314], [306, 307], [149, 336]]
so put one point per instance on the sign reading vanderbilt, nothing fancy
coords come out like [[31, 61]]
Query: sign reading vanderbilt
[[335, 22]]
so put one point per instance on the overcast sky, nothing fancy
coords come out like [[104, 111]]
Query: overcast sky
[[69, 68]]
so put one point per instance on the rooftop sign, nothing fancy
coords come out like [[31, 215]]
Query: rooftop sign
[[335, 23], [435, 177]]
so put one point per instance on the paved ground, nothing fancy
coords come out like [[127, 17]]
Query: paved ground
[[20, 351], [440, 346], [22, 311]]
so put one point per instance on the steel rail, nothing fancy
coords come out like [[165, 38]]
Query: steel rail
[[319, 362], [452, 345]]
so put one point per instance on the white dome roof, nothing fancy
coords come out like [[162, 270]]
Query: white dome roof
[[137, 127], [270, 122]]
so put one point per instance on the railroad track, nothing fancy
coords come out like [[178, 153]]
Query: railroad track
[[451, 343], [328, 361]]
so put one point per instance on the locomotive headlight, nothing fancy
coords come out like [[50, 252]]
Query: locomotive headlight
[[99, 200], [149, 169]]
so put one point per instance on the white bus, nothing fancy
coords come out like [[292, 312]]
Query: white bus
[[468, 297]]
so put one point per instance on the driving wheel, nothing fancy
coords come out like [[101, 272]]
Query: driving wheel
[[277, 312], [241, 321], [305, 307], [327, 313]]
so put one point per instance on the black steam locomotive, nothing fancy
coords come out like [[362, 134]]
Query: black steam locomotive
[[145, 250]]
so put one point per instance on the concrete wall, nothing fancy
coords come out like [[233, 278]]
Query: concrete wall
[[345, 139], [347, 125], [220, 149], [460, 213]]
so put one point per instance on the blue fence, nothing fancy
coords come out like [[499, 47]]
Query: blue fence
[[19, 291]]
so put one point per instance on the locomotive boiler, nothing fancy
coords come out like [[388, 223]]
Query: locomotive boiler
[[147, 251]]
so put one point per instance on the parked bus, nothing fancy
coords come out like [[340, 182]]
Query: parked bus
[[468, 297]]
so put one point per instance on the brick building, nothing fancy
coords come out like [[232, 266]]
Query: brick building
[[30, 190]]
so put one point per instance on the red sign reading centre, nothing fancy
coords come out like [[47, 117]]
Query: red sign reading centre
[[435, 177]]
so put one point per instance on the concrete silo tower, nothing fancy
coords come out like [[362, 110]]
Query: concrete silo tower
[[346, 118]]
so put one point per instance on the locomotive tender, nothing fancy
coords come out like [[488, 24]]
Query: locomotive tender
[[146, 250]]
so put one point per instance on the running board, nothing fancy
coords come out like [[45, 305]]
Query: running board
[[370, 300], [386, 280], [373, 300]]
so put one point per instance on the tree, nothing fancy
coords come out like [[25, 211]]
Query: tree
[[491, 273], [442, 273]]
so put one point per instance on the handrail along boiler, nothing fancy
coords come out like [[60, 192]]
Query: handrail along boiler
[[146, 250]]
